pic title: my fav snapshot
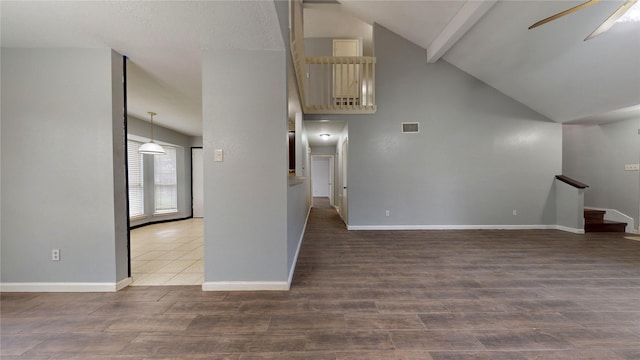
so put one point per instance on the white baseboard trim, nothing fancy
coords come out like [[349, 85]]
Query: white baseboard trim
[[569, 229], [64, 287], [123, 283], [295, 257], [259, 285], [245, 286], [466, 227], [451, 227]]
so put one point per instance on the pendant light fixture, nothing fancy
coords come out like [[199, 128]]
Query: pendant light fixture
[[151, 147]]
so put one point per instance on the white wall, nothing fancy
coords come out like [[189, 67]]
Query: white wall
[[596, 155], [323, 150], [63, 166], [479, 154]]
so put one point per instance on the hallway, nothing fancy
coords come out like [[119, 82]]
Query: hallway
[[516, 295]]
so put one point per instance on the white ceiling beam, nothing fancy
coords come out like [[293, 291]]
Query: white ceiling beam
[[468, 15]]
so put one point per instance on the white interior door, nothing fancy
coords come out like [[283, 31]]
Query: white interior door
[[197, 180], [321, 177]]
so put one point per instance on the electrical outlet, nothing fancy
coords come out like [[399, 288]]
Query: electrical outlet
[[632, 167], [386, 213], [55, 254], [515, 212]]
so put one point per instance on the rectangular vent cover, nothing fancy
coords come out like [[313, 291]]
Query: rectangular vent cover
[[410, 127]]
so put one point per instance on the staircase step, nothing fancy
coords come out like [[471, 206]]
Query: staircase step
[[605, 226], [594, 216]]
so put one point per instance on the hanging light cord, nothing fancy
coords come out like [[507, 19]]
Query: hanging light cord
[[152, 115]]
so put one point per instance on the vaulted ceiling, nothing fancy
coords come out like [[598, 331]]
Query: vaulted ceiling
[[162, 39], [550, 69]]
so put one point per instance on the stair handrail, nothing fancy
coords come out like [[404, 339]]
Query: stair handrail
[[573, 182]]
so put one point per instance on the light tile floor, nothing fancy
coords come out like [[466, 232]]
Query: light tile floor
[[168, 254]]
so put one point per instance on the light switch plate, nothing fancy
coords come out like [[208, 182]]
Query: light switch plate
[[218, 155]]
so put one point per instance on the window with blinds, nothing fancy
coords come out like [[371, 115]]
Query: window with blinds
[[166, 181], [136, 179]]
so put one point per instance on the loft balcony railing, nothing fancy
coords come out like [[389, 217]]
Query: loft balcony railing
[[339, 85], [331, 84]]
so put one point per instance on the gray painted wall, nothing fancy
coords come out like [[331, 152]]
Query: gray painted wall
[[479, 154], [322, 46], [196, 141], [569, 206], [318, 47], [60, 158], [298, 208], [340, 168], [596, 155], [246, 194], [120, 191], [298, 195], [141, 129], [299, 191]]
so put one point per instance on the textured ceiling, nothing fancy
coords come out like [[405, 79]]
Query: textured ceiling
[[417, 21], [316, 127], [162, 39], [549, 69]]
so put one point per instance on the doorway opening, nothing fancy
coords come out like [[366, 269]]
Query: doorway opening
[[197, 182], [322, 178], [171, 252], [328, 140], [165, 241]]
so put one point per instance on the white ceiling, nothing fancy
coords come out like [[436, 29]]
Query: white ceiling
[[316, 127], [162, 39], [549, 69], [329, 21]]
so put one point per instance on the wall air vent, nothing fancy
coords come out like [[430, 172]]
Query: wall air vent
[[411, 128]]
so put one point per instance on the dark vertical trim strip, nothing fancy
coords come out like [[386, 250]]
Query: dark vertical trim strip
[[193, 147], [126, 161]]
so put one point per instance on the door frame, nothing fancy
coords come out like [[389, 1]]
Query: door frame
[[191, 166], [344, 183], [332, 179]]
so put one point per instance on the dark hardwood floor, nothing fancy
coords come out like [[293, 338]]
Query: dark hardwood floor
[[366, 295]]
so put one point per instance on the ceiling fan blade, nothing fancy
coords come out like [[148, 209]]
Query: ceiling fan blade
[[566, 12], [607, 24]]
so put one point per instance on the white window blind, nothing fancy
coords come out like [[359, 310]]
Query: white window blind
[[166, 181], [136, 179]]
